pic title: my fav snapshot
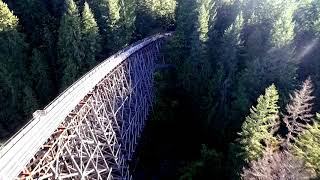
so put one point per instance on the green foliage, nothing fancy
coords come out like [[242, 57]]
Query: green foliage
[[307, 146], [29, 101], [115, 19], [256, 131], [205, 14], [269, 25], [69, 45], [264, 71], [100, 10], [223, 54], [38, 26], [154, 16], [178, 49], [282, 33], [40, 77], [228, 64], [128, 20], [196, 69], [160, 9], [209, 165], [16, 94], [307, 19], [234, 162], [113, 13], [90, 39]]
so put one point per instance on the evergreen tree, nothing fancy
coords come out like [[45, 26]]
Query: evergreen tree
[[196, 73], [282, 32], [29, 102], [128, 18], [111, 19], [114, 13], [299, 111], [159, 15], [162, 9], [15, 92], [269, 25], [197, 66], [90, 37], [8, 20], [257, 129], [275, 67], [41, 82], [179, 48], [100, 10], [69, 45], [227, 63], [307, 146], [269, 54], [38, 26], [205, 14]]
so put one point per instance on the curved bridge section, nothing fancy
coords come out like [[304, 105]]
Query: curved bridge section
[[91, 130]]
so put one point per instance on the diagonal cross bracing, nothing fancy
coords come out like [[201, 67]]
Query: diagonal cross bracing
[[91, 130]]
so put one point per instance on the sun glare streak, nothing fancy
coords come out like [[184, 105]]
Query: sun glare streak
[[309, 48]]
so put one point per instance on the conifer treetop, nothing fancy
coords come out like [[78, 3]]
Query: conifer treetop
[[8, 20], [72, 8], [88, 20], [259, 125]]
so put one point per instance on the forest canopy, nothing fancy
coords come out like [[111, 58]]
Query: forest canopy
[[239, 99]]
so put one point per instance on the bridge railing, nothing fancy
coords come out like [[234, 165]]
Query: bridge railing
[[19, 150]]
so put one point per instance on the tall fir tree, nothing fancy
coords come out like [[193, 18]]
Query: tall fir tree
[[41, 82], [114, 13], [197, 66], [100, 11], [16, 95], [128, 18], [257, 129], [114, 41], [196, 73], [227, 64], [178, 49], [90, 39], [69, 45]]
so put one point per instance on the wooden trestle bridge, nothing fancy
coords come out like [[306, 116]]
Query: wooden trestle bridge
[[92, 129]]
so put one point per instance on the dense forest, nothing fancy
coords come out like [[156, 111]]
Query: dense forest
[[238, 99]]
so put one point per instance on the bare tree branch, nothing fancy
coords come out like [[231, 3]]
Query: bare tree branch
[[299, 111], [277, 165]]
